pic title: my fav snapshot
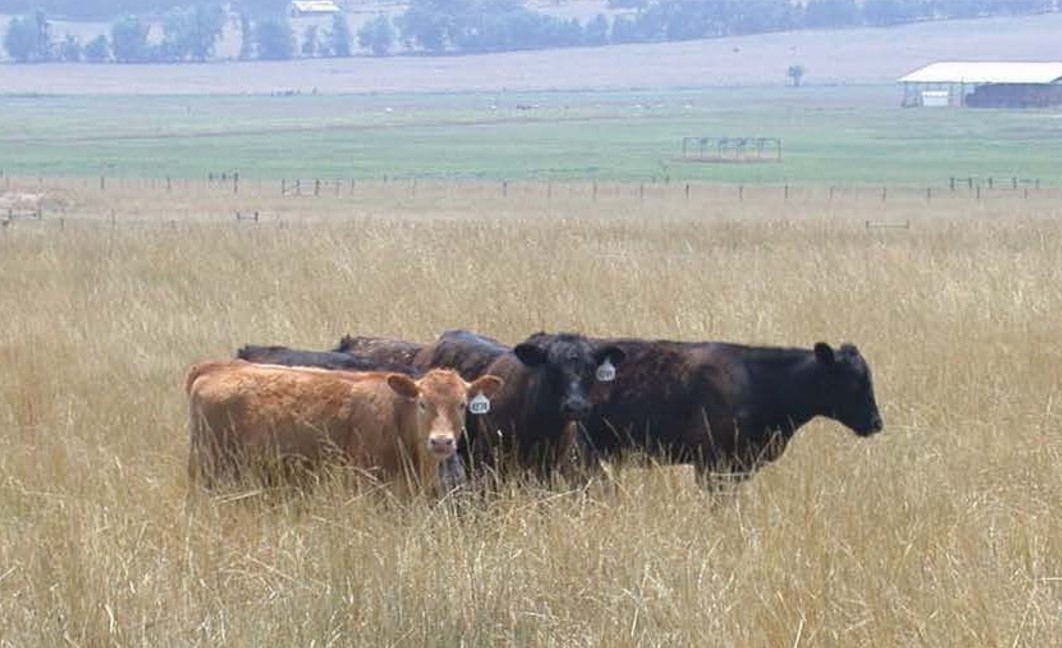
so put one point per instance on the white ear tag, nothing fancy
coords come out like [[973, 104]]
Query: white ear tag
[[479, 405], [606, 371]]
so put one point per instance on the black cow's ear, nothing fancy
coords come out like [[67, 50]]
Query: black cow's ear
[[613, 354], [849, 349], [530, 354], [824, 354]]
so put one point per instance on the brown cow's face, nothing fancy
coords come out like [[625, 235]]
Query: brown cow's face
[[441, 404]]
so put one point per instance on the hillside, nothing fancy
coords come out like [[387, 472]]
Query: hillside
[[858, 56]]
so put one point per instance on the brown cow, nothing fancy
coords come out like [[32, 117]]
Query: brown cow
[[244, 416]]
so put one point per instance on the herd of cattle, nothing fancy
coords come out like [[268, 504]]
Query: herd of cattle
[[431, 416]]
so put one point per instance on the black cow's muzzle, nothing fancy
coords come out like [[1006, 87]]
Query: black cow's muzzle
[[575, 409], [876, 425]]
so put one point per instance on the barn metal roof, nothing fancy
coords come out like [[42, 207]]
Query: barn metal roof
[[986, 72]]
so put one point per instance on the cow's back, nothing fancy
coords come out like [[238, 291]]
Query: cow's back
[[666, 398], [467, 353], [380, 349], [280, 355], [244, 414]]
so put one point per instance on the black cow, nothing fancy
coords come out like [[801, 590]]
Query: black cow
[[467, 353], [551, 382], [379, 349], [727, 407], [280, 355]]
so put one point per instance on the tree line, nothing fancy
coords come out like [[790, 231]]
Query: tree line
[[191, 32]]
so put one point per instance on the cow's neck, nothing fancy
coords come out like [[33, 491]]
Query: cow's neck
[[786, 385], [540, 412]]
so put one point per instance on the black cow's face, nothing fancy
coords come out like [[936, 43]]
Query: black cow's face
[[572, 366], [850, 388]]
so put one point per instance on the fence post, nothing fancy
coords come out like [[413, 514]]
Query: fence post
[[317, 187], [951, 183], [641, 191], [103, 183], [929, 194], [741, 192], [787, 192], [549, 191], [687, 191], [169, 185], [283, 187], [1014, 182], [505, 188], [979, 192], [990, 185], [884, 191], [595, 190]]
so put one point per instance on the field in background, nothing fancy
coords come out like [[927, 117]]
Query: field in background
[[830, 57], [835, 135], [941, 531]]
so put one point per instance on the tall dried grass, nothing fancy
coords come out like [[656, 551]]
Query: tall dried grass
[[944, 530]]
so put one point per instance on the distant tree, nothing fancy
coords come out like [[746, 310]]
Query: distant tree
[[761, 16], [274, 39], [28, 38], [795, 74], [192, 32], [97, 50], [246, 37], [19, 39], [340, 39], [129, 39], [311, 44], [627, 4], [596, 32], [625, 30], [377, 35], [70, 49], [433, 24], [831, 13], [886, 12]]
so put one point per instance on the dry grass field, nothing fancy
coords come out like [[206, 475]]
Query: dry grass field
[[944, 530]]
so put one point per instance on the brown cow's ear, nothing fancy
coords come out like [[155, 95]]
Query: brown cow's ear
[[487, 385], [824, 354], [403, 385], [530, 354]]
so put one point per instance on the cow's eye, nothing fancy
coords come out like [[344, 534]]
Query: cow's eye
[[422, 405], [464, 404]]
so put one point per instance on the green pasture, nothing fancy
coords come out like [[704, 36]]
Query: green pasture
[[844, 135]]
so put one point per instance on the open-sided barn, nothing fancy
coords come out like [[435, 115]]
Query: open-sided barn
[[985, 84]]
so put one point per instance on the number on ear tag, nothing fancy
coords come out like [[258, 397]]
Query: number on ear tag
[[479, 405], [606, 371]]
